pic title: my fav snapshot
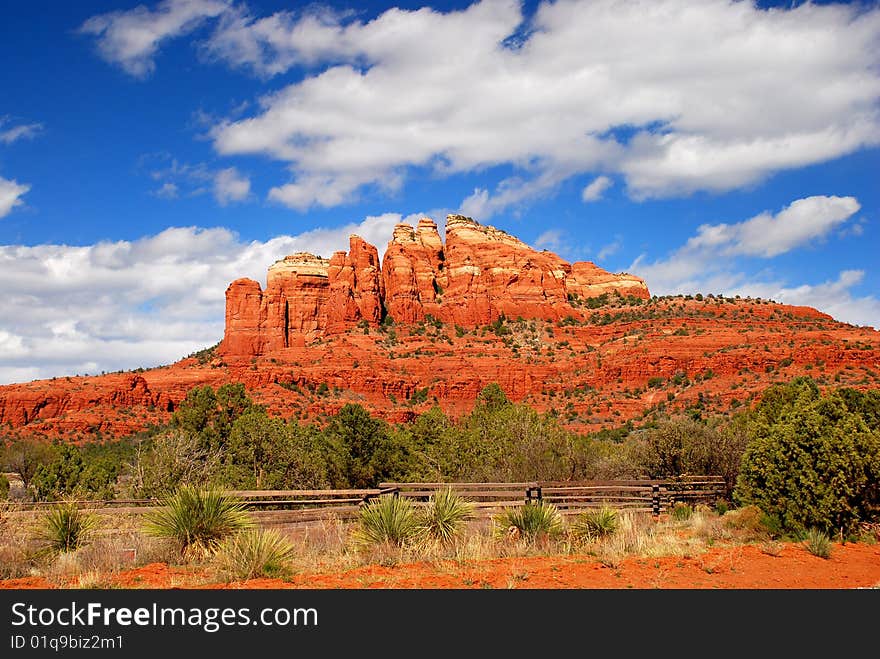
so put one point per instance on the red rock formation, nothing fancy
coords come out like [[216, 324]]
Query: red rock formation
[[342, 310], [595, 373], [356, 287], [595, 364], [482, 273], [297, 288], [491, 273], [589, 280], [245, 318], [413, 272], [369, 289]]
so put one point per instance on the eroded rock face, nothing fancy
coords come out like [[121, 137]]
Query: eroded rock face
[[491, 273], [479, 275], [413, 272], [589, 280], [245, 323], [356, 287]]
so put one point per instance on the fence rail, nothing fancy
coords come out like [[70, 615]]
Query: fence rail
[[645, 495], [283, 507]]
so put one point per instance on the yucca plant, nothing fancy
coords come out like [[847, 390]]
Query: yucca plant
[[67, 528], [681, 512], [255, 553], [818, 543], [530, 521], [595, 524], [197, 520], [446, 514], [387, 520]]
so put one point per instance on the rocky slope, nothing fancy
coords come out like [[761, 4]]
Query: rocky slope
[[435, 322]]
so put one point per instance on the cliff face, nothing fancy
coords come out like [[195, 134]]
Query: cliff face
[[479, 275]]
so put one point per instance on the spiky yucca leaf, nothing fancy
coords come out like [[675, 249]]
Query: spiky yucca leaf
[[446, 514], [387, 520], [197, 519], [818, 543], [67, 528], [255, 553], [596, 524], [530, 521]]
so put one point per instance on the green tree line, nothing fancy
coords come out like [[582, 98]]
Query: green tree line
[[805, 458]]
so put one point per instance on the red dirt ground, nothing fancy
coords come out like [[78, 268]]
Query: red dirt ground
[[740, 567]]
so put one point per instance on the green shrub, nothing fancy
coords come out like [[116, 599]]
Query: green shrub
[[531, 521], [4, 487], [445, 516], [681, 512], [747, 518], [387, 520], [255, 553], [818, 543], [67, 528], [593, 525], [197, 520], [683, 445], [812, 462]]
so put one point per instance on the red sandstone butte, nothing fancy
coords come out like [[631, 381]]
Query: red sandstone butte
[[478, 276], [596, 362]]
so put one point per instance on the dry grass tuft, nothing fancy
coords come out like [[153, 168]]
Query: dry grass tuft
[[746, 523], [21, 551]]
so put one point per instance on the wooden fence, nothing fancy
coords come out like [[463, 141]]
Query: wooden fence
[[285, 507], [653, 496]]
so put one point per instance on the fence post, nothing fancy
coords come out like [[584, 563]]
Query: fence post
[[533, 493], [655, 500]]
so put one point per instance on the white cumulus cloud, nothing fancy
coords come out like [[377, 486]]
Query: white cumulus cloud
[[131, 38], [708, 261], [125, 304], [715, 246], [11, 193], [672, 95], [230, 186], [167, 191], [19, 132], [596, 188]]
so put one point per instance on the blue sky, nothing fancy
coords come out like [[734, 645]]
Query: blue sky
[[151, 153]]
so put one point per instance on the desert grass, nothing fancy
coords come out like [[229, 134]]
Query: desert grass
[[329, 546], [118, 543], [747, 524], [21, 551], [638, 535], [253, 553], [388, 521], [444, 518], [532, 523], [595, 524]]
